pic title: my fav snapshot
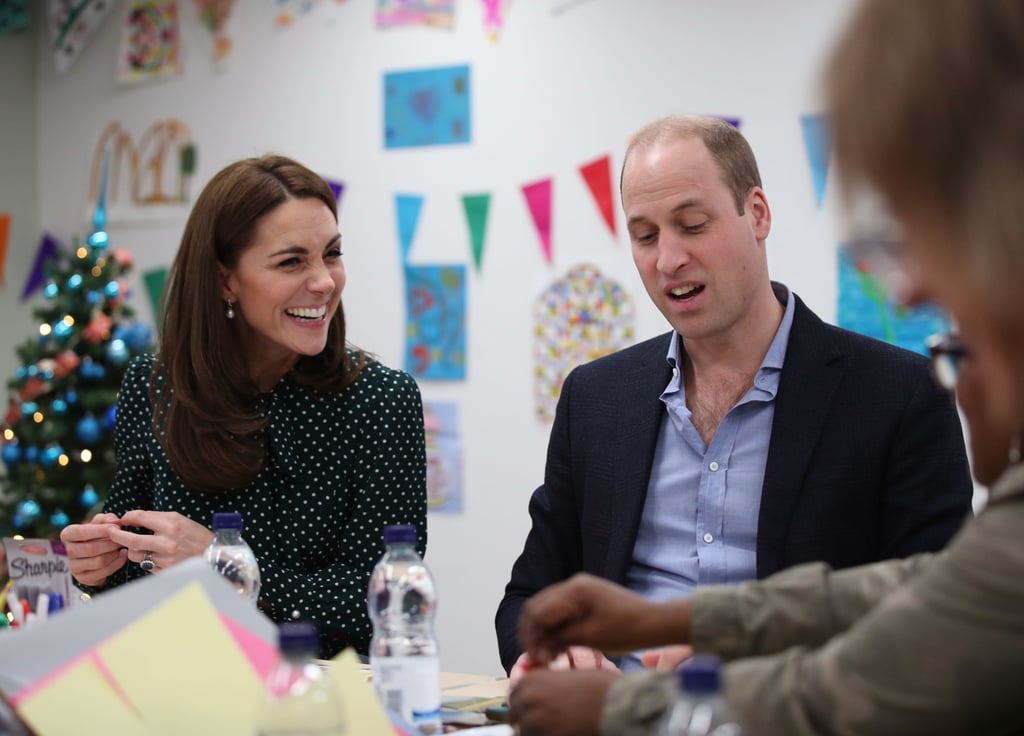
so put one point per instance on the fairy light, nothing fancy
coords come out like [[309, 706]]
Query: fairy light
[[8, 434], [37, 417], [96, 271], [86, 455], [69, 320], [63, 460], [45, 329], [82, 252]]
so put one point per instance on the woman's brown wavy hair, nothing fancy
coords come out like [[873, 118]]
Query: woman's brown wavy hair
[[205, 410]]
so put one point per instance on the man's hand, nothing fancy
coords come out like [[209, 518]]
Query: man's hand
[[586, 610], [566, 703], [666, 659], [574, 658]]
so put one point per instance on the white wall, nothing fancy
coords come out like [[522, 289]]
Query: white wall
[[555, 92]]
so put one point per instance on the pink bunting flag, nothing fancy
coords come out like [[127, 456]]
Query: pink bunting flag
[[538, 197], [598, 175], [5, 227]]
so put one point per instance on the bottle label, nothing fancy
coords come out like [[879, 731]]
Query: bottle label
[[409, 686]]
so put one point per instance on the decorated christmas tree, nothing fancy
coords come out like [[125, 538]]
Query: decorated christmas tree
[[58, 429]]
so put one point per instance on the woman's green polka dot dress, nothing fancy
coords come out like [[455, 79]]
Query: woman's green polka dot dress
[[340, 467]]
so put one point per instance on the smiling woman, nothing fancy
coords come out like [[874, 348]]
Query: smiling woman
[[256, 403]]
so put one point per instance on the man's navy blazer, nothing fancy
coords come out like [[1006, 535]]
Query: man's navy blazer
[[866, 462]]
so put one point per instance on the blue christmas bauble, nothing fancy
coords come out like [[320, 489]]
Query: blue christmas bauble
[[110, 417], [62, 330], [29, 509], [88, 429], [50, 291], [59, 406], [18, 521], [59, 519], [139, 337], [47, 375], [30, 454], [75, 281], [48, 457], [90, 370], [32, 370], [10, 454], [112, 290], [119, 333], [117, 352], [89, 497], [29, 408], [93, 297], [71, 396], [21, 373], [99, 239]]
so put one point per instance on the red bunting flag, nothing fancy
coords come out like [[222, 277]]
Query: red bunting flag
[[598, 175]]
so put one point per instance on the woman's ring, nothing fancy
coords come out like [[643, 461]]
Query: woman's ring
[[147, 563]]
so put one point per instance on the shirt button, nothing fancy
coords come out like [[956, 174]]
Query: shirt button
[[713, 466], [709, 537]]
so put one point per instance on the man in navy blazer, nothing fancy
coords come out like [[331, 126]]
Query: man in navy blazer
[[753, 436]]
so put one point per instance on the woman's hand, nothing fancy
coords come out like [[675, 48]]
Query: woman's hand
[[93, 554], [175, 537]]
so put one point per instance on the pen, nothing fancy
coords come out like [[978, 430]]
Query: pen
[[43, 606], [14, 603]]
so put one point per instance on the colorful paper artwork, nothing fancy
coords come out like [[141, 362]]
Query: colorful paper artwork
[[538, 199], [427, 107], [818, 141], [214, 15], [72, 23], [435, 13], [150, 41], [13, 16], [579, 318], [493, 18], [444, 457], [436, 322], [156, 171], [863, 308]]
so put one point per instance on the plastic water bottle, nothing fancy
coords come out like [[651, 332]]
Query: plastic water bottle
[[299, 699], [700, 709], [403, 652], [229, 555]]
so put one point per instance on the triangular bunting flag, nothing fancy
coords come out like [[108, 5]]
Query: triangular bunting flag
[[407, 207], [154, 281], [538, 197], [818, 141], [5, 227], [36, 277], [337, 188], [476, 206], [734, 122], [598, 175]]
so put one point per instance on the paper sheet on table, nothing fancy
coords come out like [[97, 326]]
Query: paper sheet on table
[[183, 671], [362, 709], [81, 691]]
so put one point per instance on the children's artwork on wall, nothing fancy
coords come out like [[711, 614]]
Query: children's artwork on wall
[[150, 41], [435, 298], [214, 16], [427, 107], [579, 318], [538, 199], [435, 13], [72, 23], [864, 308], [147, 179], [444, 456], [494, 18], [818, 141], [13, 16]]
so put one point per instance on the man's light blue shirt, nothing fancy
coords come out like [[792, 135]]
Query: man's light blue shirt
[[699, 524]]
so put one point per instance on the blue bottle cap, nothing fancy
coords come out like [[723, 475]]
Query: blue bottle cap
[[700, 674], [298, 637], [400, 534], [227, 520]]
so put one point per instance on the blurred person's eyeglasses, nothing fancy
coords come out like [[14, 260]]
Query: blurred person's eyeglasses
[[872, 240], [947, 353]]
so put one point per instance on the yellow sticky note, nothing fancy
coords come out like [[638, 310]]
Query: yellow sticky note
[[362, 710], [183, 671], [80, 692]]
